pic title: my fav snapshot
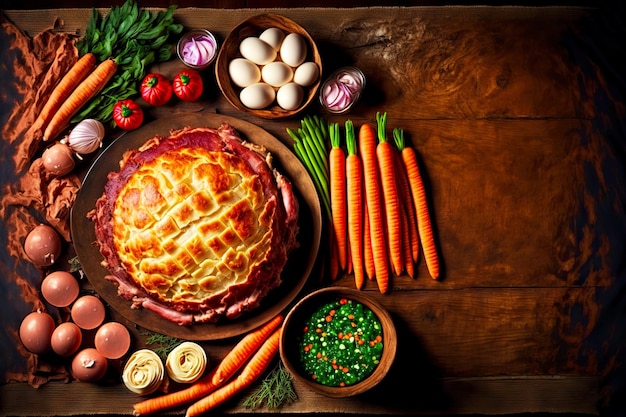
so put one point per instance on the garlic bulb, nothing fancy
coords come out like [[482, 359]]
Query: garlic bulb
[[86, 136]]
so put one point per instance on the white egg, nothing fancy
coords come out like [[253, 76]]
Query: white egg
[[290, 96], [306, 74], [243, 72], [273, 36], [257, 51], [257, 96], [293, 50], [277, 73]]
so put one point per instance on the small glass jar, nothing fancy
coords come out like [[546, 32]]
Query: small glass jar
[[197, 49], [342, 90]]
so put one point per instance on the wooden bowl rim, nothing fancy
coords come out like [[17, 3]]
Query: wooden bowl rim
[[247, 28], [389, 340]]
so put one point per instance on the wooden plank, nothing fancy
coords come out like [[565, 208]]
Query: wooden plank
[[492, 63], [471, 396]]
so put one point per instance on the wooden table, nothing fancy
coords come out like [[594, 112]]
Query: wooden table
[[518, 117]]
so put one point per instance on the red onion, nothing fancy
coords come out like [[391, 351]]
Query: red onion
[[342, 89], [197, 49]]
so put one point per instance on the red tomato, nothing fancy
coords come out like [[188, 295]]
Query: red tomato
[[127, 114], [188, 85], [156, 89]]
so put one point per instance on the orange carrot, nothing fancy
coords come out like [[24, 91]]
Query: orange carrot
[[385, 153], [243, 350], [354, 205], [64, 88], [197, 390], [337, 178], [418, 191], [371, 181], [252, 371], [409, 267], [368, 256], [406, 200], [84, 92]]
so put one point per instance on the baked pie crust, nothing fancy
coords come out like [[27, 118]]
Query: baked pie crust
[[197, 225]]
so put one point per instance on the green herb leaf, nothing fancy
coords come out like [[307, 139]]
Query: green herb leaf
[[165, 344], [276, 390]]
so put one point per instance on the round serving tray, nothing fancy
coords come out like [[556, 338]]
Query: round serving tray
[[295, 274]]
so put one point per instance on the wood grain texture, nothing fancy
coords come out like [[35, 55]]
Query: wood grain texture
[[518, 118]]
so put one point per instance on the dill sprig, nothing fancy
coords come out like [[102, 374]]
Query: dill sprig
[[165, 344], [276, 390]]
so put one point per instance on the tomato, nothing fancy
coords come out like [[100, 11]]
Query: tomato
[[188, 85], [156, 89], [127, 114]]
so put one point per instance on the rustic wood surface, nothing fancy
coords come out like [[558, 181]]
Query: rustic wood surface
[[518, 117]]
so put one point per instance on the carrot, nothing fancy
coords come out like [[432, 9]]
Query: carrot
[[243, 350], [252, 371], [84, 92], [368, 256], [385, 156], [371, 181], [406, 200], [337, 177], [354, 185], [64, 88], [409, 267], [418, 192], [197, 390]]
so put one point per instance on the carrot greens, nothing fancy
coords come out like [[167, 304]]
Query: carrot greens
[[135, 38]]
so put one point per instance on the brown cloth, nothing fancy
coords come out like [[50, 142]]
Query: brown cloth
[[29, 71]]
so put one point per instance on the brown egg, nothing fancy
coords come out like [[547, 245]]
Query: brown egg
[[42, 246], [66, 339], [36, 332], [60, 288], [88, 312], [112, 340], [58, 159], [89, 365]]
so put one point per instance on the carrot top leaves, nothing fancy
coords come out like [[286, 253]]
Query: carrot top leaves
[[135, 38], [351, 146], [398, 137], [381, 120]]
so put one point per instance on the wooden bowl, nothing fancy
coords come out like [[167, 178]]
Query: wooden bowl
[[254, 26], [295, 322]]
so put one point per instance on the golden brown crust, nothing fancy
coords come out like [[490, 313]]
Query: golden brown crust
[[195, 227]]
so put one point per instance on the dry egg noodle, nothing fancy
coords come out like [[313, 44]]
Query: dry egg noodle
[[342, 343]]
